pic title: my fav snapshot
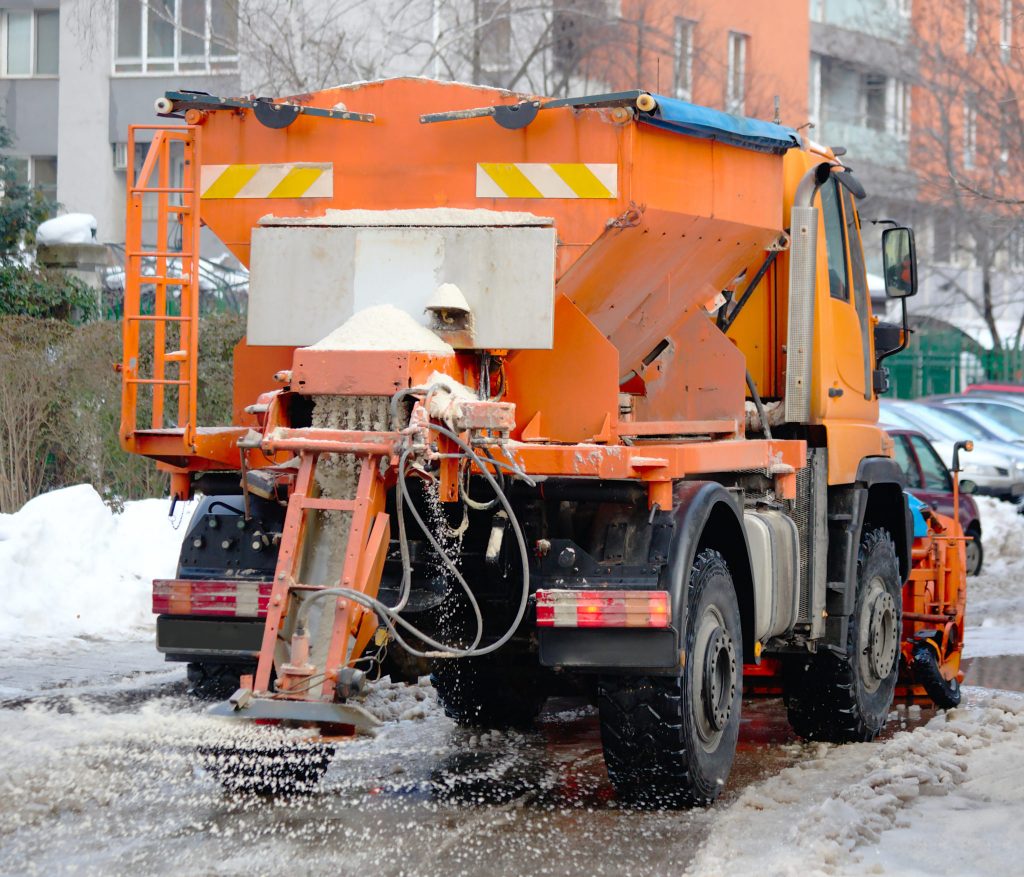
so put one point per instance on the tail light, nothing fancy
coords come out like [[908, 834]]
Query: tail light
[[229, 599], [562, 608]]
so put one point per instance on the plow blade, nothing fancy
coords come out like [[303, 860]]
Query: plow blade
[[298, 711]]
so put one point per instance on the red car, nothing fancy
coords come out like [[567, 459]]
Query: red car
[[1013, 389], [929, 480]]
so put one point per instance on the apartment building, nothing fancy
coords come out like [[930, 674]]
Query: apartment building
[[75, 74], [923, 94]]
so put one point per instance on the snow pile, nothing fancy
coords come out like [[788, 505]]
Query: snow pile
[[995, 599], [71, 567], [383, 327], [812, 819], [71, 228], [396, 701]]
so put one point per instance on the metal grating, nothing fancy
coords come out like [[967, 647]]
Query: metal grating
[[802, 516]]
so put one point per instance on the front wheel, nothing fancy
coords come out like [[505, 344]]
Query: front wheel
[[670, 741], [845, 698]]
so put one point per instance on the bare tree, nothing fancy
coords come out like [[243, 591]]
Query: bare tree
[[967, 152]]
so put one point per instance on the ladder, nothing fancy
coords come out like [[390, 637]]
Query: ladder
[[177, 205]]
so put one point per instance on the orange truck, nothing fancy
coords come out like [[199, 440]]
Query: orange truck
[[545, 395]]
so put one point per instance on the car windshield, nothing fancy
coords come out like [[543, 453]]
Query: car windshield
[[895, 417], [976, 424], [929, 422]]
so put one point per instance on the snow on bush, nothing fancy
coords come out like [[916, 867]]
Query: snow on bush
[[70, 567], [71, 228]]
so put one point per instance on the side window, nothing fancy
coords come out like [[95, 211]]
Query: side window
[[936, 475], [835, 242], [857, 270], [905, 460]]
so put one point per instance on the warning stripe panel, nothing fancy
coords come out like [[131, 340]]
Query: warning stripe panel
[[546, 180], [294, 180]]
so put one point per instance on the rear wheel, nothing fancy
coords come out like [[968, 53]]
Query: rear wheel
[[670, 741], [845, 698], [489, 693], [210, 681]]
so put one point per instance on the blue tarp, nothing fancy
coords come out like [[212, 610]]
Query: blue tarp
[[684, 118], [920, 526]]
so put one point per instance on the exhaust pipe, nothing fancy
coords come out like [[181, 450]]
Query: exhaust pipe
[[803, 223]]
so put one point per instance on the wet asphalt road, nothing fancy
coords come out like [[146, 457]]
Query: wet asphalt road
[[102, 776]]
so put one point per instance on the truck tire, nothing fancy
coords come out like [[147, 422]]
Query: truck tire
[[210, 681], [670, 741], [484, 693], [845, 698]]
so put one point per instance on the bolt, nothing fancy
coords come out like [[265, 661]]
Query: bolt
[[256, 545], [198, 542]]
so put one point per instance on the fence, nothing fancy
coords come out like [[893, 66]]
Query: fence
[[947, 362]]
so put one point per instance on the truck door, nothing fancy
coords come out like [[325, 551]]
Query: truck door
[[850, 377]]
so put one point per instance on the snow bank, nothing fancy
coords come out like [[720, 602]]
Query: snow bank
[[383, 327], [814, 818], [71, 567], [995, 599], [71, 228]]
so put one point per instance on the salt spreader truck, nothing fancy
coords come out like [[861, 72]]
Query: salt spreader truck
[[545, 393]]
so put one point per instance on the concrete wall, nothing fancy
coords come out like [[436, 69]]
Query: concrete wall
[[30, 114], [85, 175]]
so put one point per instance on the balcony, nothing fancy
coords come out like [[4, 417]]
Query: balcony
[[864, 144]]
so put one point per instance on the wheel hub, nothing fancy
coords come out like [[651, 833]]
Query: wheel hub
[[879, 638], [719, 680]]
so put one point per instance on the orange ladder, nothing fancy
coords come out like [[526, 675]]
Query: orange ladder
[[175, 205]]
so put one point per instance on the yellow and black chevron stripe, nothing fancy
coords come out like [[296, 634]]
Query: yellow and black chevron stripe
[[546, 180], [295, 180]]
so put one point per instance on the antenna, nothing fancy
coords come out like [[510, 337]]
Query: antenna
[[657, 74], [778, 117]]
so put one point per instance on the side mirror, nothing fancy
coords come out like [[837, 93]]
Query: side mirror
[[968, 486], [900, 262]]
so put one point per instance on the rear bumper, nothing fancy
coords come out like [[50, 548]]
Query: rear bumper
[[224, 640]]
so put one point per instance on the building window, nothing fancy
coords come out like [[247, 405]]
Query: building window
[[971, 24], [970, 133], [899, 113], [1006, 30], [904, 8], [875, 87], [176, 36], [30, 43], [817, 10], [682, 52], [39, 171], [736, 76], [814, 91]]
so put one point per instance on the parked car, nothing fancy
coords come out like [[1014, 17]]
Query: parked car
[[1008, 410], [993, 468], [975, 420], [989, 387], [929, 480]]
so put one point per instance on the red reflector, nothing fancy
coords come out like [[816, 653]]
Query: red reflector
[[563, 608]]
